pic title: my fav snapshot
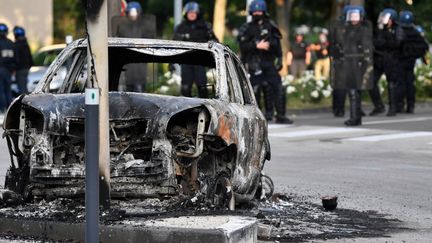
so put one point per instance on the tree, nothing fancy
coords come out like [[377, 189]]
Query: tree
[[219, 19], [283, 10]]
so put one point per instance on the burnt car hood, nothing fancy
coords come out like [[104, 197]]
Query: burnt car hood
[[57, 109]]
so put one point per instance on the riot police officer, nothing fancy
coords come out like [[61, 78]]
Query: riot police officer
[[262, 54], [136, 25], [352, 58], [7, 67], [193, 28], [413, 46], [386, 55], [24, 58]]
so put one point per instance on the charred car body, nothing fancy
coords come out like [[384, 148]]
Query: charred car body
[[160, 145]]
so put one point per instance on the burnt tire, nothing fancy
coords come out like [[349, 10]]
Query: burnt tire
[[265, 188], [17, 179], [221, 193]]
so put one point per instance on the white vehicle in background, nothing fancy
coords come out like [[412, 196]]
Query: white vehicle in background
[[42, 59]]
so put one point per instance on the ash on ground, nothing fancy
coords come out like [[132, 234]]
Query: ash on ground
[[283, 218]]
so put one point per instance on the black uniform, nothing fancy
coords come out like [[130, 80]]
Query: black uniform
[[197, 31], [24, 62], [263, 65], [413, 46], [351, 50], [7, 66], [386, 61], [143, 27]]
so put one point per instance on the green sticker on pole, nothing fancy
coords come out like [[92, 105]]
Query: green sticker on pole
[[91, 96]]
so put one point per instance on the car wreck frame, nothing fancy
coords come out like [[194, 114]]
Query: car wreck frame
[[160, 145]]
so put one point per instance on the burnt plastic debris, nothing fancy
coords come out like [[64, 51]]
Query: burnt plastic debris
[[329, 202]]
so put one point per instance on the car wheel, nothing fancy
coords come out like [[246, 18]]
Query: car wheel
[[222, 193]]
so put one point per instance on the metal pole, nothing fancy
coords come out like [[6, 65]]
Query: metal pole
[[177, 12], [249, 17], [92, 168], [97, 25]]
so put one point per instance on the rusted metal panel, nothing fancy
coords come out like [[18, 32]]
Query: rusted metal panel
[[159, 144]]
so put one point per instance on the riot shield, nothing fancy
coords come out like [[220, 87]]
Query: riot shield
[[144, 27], [351, 55]]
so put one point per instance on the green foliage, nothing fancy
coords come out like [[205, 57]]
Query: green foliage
[[423, 81], [69, 19], [306, 89]]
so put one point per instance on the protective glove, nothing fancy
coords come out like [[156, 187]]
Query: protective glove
[[278, 64]]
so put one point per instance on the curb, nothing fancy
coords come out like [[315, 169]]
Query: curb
[[368, 106], [192, 229]]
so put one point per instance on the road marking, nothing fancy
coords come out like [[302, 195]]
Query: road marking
[[398, 121], [322, 131], [275, 126], [385, 137]]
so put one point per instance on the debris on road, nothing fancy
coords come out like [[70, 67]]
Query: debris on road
[[284, 218]]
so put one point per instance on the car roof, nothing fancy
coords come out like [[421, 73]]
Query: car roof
[[52, 47], [115, 41]]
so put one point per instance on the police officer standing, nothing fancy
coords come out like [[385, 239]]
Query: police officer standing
[[136, 25], [193, 28], [7, 67], [262, 54], [24, 59], [351, 53], [386, 60], [413, 46]]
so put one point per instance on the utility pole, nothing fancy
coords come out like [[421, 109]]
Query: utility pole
[[219, 19], [97, 24], [96, 125], [249, 17], [178, 4]]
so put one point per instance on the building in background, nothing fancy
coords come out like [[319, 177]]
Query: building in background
[[34, 16]]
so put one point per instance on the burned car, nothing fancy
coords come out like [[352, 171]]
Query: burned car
[[160, 145]]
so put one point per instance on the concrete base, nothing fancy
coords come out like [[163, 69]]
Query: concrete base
[[181, 229]]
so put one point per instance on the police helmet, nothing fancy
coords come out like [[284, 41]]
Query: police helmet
[[385, 16], [133, 5], [18, 31], [354, 13], [191, 7], [406, 18], [257, 5], [3, 29]]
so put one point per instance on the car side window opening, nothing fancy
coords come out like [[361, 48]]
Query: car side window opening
[[71, 75], [152, 71], [244, 83], [45, 58], [62, 73], [233, 80]]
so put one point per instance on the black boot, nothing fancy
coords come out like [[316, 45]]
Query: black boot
[[377, 110], [355, 109], [268, 101], [375, 95], [280, 104], [410, 109], [283, 120], [339, 97], [393, 100]]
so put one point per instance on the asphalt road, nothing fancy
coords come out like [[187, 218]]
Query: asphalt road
[[384, 165]]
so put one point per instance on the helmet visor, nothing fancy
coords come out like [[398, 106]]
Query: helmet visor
[[353, 15], [384, 18], [133, 12]]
